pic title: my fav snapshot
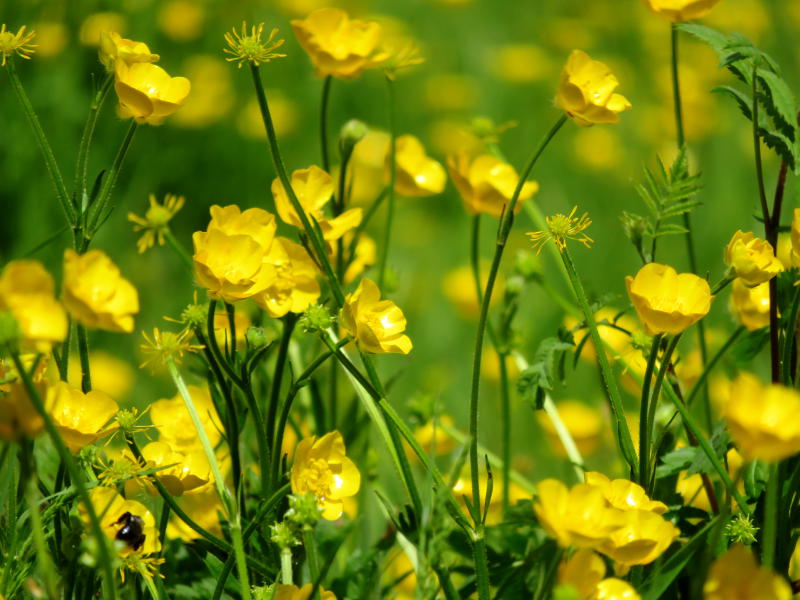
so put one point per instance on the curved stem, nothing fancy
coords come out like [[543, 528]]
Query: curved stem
[[182, 253], [651, 413], [79, 188], [644, 411], [323, 122], [390, 192]]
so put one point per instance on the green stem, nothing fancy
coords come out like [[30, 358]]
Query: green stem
[[676, 87], [390, 192], [644, 411], [43, 557], [323, 122], [651, 413], [789, 339], [701, 381], [47, 152], [241, 561], [178, 248], [83, 351], [62, 358], [80, 188], [770, 518], [286, 566], [272, 410], [566, 438], [310, 543], [505, 415]]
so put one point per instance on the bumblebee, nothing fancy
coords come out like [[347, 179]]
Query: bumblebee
[[132, 530]]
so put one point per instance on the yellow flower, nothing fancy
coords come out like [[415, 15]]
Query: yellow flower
[[486, 184], [96, 24], [680, 10], [338, 45], [147, 92], [796, 237], [376, 324], [292, 592], [322, 469], [156, 220], [230, 256], [417, 174], [750, 305], [314, 189], [616, 589], [432, 437], [95, 293], [181, 20], [127, 522], [18, 416], [586, 91], [642, 538], [578, 517], [203, 508], [458, 286], [250, 48], [668, 302], [111, 375], [27, 291], [53, 38], [293, 288], [583, 571], [624, 494], [583, 423], [174, 423], [736, 576], [114, 47], [222, 327], [615, 329], [16, 43], [762, 419], [80, 418], [562, 228], [365, 254], [189, 471], [751, 258], [212, 94]]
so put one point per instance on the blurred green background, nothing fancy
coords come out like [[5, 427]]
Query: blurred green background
[[499, 59]]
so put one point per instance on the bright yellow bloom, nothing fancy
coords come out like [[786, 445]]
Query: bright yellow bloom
[[127, 522], [230, 256], [750, 305], [203, 508], [250, 48], [114, 47], [586, 92], [338, 45], [624, 494], [486, 184], [583, 423], [376, 324], [18, 416], [293, 287], [174, 423], [668, 302], [27, 291], [95, 293], [417, 174], [182, 20], [796, 238], [751, 258], [222, 327], [147, 92], [322, 469], [314, 189], [616, 589], [762, 419], [156, 220], [680, 10], [365, 254], [292, 592], [561, 228], [579, 516], [189, 471], [111, 375], [583, 571], [16, 43], [80, 418], [642, 538], [736, 576]]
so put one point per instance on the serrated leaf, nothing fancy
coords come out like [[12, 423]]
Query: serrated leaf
[[719, 442], [676, 461], [541, 374], [670, 229], [782, 99]]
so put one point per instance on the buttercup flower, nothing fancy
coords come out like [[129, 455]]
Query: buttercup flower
[[322, 469], [293, 287], [668, 302], [377, 325], [680, 10], [365, 255], [95, 293], [81, 418], [750, 305], [126, 522], [616, 589], [250, 48], [292, 592], [203, 508], [642, 538], [230, 256], [27, 291], [762, 419], [18, 416], [752, 259], [624, 494], [586, 92], [736, 574], [156, 220], [189, 470], [16, 43], [314, 189], [147, 92], [417, 174], [338, 45], [561, 228], [583, 571], [486, 184], [583, 423], [175, 425], [114, 47], [578, 517]]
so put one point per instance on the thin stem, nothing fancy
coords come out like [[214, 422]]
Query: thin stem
[[768, 540], [83, 351], [272, 410], [505, 438], [676, 87], [79, 188], [173, 243], [62, 358], [651, 414], [241, 561], [310, 543], [43, 557], [390, 191], [789, 339], [286, 567], [644, 411], [323, 122]]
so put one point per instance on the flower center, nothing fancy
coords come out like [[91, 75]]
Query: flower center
[[318, 478]]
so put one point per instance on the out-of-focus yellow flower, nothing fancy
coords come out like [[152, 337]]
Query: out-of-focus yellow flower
[[293, 286], [16, 43], [189, 471], [222, 327], [750, 305], [689, 368], [147, 92], [314, 189], [284, 116], [417, 174], [432, 438], [53, 38], [401, 576], [736, 574], [490, 365], [462, 488], [579, 516], [449, 137], [365, 175], [583, 423], [321, 468], [795, 236], [762, 419], [27, 291], [80, 418], [203, 508], [451, 92], [680, 10], [784, 249], [95, 25], [598, 148], [244, 47], [212, 93], [692, 490], [521, 63], [616, 589], [486, 184], [586, 92], [95, 293], [111, 375], [156, 221], [610, 326], [377, 325], [292, 592], [751, 258], [18, 416], [365, 254], [115, 48], [174, 423], [459, 287], [126, 522], [642, 538], [668, 302], [338, 45], [583, 571], [562, 228], [230, 256], [182, 20], [624, 494]]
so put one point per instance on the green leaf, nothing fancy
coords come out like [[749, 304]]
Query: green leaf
[[748, 346], [781, 99], [719, 441], [676, 461], [541, 374]]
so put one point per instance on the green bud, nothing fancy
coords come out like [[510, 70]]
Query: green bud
[[283, 535], [257, 337], [741, 530], [10, 333], [126, 419], [634, 227], [527, 264], [351, 133], [263, 592], [316, 318], [641, 341], [303, 510], [194, 315]]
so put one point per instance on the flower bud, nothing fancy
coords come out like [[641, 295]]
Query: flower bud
[[351, 133], [303, 509], [316, 318], [257, 337]]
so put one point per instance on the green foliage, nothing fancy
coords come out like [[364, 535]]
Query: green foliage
[[547, 367]]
